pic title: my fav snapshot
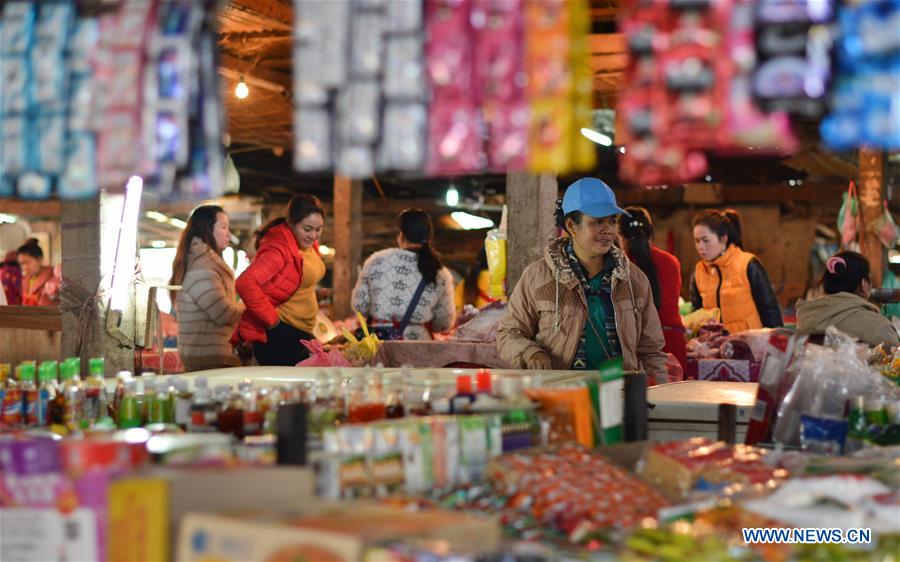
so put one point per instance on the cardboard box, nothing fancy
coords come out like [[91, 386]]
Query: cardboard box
[[145, 510], [324, 533]]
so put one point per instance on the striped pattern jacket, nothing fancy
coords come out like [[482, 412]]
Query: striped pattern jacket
[[208, 310]]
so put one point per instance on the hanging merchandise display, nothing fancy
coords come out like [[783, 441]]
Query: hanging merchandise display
[[689, 90], [93, 99], [442, 87], [865, 108]]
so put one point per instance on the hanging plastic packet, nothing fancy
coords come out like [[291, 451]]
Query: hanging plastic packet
[[321, 30], [14, 71], [404, 74], [358, 112], [48, 74], [15, 145], [79, 179], [402, 146], [507, 125], [50, 152], [449, 51], [367, 44], [312, 129], [404, 16], [18, 27], [454, 139]]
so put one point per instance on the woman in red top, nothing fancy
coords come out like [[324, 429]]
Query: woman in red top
[[40, 287], [664, 272], [278, 288]]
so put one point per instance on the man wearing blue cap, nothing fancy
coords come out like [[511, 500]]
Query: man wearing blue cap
[[584, 303]]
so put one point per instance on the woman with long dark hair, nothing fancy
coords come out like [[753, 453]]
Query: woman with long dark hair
[[40, 287], [662, 269], [206, 307], [847, 283], [279, 286], [728, 278], [407, 282]]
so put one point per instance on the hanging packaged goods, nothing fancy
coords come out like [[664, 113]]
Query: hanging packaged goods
[[441, 87], [91, 100]]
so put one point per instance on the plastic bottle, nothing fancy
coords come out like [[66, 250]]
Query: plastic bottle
[[182, 402], [30, 397], [253, 414], [273, 399], [73, 393], [464, 395], [5, 370], [231, 416], [204, 411], [394, 402], [160, 403], [12, 403], [47, 390], [152, 410], [96, 401], [857, 430], [122, 377], [130, 414]]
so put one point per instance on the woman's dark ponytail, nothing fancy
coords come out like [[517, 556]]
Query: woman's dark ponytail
[[417, 227], [638, 231]]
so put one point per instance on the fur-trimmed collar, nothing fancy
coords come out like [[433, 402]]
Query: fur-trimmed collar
[[558, 261], [201, 255]]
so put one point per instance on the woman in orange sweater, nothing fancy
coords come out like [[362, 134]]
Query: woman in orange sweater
[[730, 279]]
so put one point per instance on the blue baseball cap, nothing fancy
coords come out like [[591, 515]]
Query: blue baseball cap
[[592, 197]]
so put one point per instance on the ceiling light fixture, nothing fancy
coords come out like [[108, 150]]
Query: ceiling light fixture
[[467, 221], [241, 91], [452, 197], [597, 137]]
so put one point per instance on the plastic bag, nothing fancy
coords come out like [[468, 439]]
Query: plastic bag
[[848, 216], [318, 357], [886, 228], [361, 351]]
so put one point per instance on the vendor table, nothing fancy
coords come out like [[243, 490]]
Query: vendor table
[[434, 353], [691, 408]]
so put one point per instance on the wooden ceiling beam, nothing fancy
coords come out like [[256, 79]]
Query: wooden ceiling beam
[[31, 209], [272, 10], [233, 67]]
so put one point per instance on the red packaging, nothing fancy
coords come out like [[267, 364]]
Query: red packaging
[[84, 455], [775, 378]]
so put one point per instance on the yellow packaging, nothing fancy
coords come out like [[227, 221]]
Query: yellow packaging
[[495, 248]]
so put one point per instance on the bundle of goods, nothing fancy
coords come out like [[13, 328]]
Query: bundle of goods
[[821, 387], [444, 87], [91, 100], [412, 455], [689, 89], [680, 467], [887, 363], [567, 495], [717, 355]]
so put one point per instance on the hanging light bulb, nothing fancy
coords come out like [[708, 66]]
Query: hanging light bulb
[[452, 197], [241, 91]]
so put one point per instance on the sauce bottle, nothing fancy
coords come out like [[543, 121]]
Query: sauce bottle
[[96, 402], [73, 394], [231, 416]]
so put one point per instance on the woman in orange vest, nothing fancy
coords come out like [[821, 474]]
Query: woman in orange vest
[[730, 279]]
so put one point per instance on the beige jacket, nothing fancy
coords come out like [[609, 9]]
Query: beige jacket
[[850, 314], [547, 312], [208, 310]]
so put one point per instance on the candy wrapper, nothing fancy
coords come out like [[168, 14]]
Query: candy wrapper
[[360, 352]]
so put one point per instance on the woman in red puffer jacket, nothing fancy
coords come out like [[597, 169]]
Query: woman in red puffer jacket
[[664, 272], [279, 286]]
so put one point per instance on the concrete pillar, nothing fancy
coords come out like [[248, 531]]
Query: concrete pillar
[[347, 225], [86, 226], [530, 201]]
